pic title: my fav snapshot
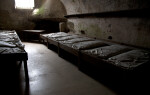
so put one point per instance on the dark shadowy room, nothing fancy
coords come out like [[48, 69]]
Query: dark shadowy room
[[75, 47]]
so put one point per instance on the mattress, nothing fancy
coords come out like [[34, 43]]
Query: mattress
[[54, 34], [88, 44], [7, 44], [12, 49], [10, 39], [67, 37], [71, 41], [106, 51], [59, 34], [7, 50], [130, 59], [55, 40]]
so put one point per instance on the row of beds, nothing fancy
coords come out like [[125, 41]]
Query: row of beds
[[125, 67], [97, 52], [12, 49]]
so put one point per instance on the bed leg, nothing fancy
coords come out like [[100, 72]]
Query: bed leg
[[48, 45], [20, 63], [26, 71], [79, 61], [59, 51]]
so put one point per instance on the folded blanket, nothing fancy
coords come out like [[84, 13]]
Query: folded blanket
[[6, 44]]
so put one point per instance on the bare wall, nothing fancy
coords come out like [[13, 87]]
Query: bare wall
[[128, 30], [14, 19], [11, 18], [50, 9]]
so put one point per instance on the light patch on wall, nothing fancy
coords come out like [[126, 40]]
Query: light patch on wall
[[24, 4], [35, 11]]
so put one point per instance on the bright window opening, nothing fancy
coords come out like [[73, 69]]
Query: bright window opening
[[24, 4]]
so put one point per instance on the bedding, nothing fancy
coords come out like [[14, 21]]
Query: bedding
[[130, 59], [52, 35], [71, 41], [106, 51], [6, 44], [59, 34], [88, 44], [85, 44], [67, 37], [10, 39], [7, 50], [11, 48]]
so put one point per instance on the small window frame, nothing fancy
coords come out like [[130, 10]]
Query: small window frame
[[24, 4]]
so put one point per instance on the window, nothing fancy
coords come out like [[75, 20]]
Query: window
[[24, 4]]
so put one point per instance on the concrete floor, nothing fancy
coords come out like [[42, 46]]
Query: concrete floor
[[51, 75]]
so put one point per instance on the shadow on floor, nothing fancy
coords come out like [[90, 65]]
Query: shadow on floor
[[13, 79], [65, 55], [130, 83], [69, 57]]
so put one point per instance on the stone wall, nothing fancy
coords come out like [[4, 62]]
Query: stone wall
[[18, 19], [132, 30], [50, 9], [14, 19]]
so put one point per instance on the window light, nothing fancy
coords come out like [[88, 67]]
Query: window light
[[24, 4], [35, 11]]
